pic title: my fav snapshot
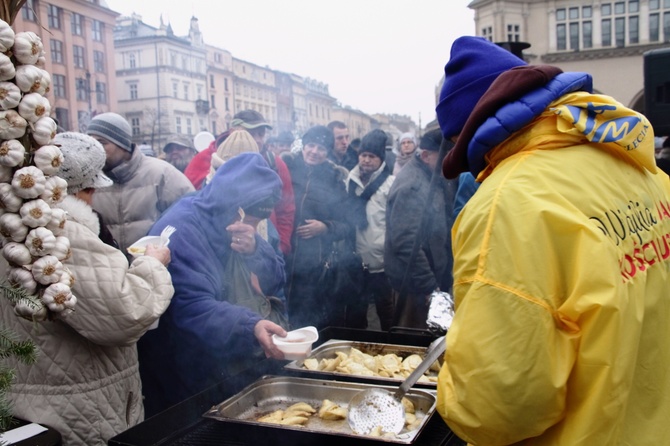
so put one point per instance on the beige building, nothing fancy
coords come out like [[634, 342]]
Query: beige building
[[220, 81], [255, 89], [356, 121], [161, 81], [79, 44], [606, 38]]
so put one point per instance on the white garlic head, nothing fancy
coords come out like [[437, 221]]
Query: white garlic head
[[58, 219], [47, 269], [16, 254], [48, 158], [40, 242], [28, 182], [55, 190], [9, 201], [7, 68], [27, 47], [35, 213], [22, 278], [33, 311], [12, 124], [44, 130], [34, 106], [12, 153], [10, 95], [58, 297], [6, 36], [12, 227]]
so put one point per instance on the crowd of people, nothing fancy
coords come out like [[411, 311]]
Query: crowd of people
[[560, 311]]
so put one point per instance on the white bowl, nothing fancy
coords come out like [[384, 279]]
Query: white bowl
[[298, 343], [137, 249]]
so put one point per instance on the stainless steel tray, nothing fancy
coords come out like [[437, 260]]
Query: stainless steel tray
[[328, 350], [278, 392]]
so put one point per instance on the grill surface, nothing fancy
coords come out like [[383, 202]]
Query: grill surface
[[184, 425]]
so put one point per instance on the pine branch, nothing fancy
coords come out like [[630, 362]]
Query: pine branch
[[24, 351], [15, 295]]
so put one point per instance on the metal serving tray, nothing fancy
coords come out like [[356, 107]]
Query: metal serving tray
[[271, 393], [328, 350]]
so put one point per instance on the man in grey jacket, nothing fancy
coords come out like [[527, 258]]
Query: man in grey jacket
[[143, 187]]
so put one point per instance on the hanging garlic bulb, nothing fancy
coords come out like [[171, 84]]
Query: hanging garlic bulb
[[31, 311], [40, 242], [9, 201], [35, 213], [44, 130], [6, 36], [7, 68], [16, 254], [47, 269], [27, 47], [28, 78], [34, 106], [22, 278], [67, 278], [55, 190], [58, 297], [12, 124], [10, 95], [28, 182], [12, 227], [62, 249], [12, 153], [48, 158], [58, 219]]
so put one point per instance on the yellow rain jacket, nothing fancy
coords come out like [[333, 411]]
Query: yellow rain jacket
[[562, 259]]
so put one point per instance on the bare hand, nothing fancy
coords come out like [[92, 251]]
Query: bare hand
[[311, 228], [243, 237], [160, 253], [263, 331]]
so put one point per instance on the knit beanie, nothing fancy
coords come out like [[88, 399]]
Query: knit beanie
[[374, 142], [431, 141], [83, 160], [473, 66], [321, 135], [407, 135], [114, 128], [239, 141]]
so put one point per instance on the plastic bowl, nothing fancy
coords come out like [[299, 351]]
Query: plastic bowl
[[137, 249], [298, 343]]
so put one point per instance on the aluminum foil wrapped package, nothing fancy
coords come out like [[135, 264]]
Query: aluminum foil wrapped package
[[440, 311]]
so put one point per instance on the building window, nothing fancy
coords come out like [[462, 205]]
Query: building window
[[574, 29], [617, 15], [227, 107], [135, 126], [177, 121], [513, 33], [659, 20], [225, 84], [97, 28], [132, 62], [82, 90], [211, 101], [175, 90], [56, 51], [101, 92], [99, 61], [211, 81], [63, 117], [199, 91], [133, 91], [58, 85], [28, 11], [184, 62], [78, 56], [76, 23], [54, 13], [188, 126], [186, 91], [217, 57], [487, 33]]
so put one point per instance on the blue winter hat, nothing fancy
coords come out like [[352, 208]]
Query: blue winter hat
[[473, 66]]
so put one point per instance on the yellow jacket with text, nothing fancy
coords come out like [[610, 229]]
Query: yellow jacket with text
[[562, 261]]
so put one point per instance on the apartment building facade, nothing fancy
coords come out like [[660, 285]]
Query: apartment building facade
[[78, 39], [606, 38]]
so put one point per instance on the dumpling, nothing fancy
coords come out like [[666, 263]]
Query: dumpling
[[331, 411]]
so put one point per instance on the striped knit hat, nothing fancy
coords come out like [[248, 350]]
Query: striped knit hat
[[114, 128]]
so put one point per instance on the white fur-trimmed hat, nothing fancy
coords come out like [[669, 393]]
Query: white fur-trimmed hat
[[83, 160]]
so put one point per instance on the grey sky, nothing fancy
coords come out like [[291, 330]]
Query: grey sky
[[379, 56]]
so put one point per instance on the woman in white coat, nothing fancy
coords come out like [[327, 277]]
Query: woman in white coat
[[86, 382]]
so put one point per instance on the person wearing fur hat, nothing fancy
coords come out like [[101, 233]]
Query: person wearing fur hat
[[561, 268], [413, 280], [406, 149], [143, 187], [318, 185], [211, 326], [86, 383], [368, 186]]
